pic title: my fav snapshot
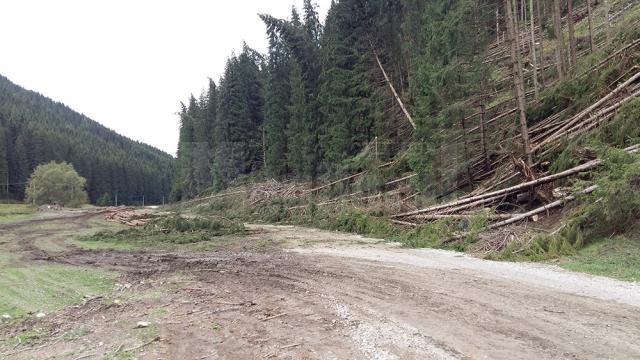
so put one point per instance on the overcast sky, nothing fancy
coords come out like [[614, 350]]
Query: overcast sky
[[127, 64]]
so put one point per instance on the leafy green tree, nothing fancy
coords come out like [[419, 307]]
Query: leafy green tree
[[56, 183]]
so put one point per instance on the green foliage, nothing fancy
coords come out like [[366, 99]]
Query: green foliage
[[613, 208], [56, 183], [618, 198], [429, 235]]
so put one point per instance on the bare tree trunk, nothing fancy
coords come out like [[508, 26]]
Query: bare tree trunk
[[533, 50], [483, 140], [518, 84], [572, 35], [591, 46], [466, 149], [557, 29], [541, 56], [607, 20], [515, 23], [497, 26]]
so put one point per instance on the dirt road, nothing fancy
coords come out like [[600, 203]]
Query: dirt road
[[295, 293]]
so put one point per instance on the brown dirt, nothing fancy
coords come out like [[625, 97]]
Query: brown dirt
[[330, 296]]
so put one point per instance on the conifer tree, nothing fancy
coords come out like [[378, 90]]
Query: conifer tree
[[277, 101]]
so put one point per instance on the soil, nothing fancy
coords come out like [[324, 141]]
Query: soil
[[295, 293]]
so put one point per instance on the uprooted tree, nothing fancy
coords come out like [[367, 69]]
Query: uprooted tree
[[56, 183]]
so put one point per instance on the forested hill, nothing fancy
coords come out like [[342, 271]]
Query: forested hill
[[439, 92], [35, 130]]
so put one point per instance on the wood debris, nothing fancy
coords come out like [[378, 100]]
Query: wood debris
[[127, 216]]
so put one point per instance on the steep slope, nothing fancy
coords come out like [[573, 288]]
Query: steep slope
[[35, 130]]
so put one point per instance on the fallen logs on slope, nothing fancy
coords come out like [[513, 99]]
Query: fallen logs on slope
[[528, 214], [525, 186], [507, 191]]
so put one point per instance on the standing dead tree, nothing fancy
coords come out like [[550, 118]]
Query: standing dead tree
[[572, 35], [559, 48]]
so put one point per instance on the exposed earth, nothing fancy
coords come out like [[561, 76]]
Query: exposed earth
[[295, 293]]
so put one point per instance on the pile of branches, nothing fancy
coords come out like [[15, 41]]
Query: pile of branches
[[271, 189]]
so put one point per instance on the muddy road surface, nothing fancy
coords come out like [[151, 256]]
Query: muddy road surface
[[296, 293]]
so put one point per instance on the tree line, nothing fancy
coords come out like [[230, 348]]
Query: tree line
[[315, 100], [35, 130]]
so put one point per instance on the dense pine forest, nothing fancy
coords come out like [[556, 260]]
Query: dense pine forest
[[442, 90], [35, 130]]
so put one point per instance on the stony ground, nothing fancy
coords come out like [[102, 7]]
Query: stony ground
[[296, 293]]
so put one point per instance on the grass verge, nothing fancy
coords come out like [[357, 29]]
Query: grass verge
[[46, 288]]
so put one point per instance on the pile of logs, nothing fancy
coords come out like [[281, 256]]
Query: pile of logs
[[125, 215]]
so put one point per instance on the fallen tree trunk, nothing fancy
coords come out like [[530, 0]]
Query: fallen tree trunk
[[213, 197], [462, 216]]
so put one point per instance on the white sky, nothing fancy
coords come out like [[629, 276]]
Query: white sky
[[128, 63]]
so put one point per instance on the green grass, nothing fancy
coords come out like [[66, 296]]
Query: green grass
[[617, 257], [47, 288], [15, 212]]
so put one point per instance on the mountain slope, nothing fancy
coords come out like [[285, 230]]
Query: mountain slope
[[35, 130]]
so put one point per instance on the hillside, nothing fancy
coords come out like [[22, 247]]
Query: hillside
[[435, 122], [36, 130]]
